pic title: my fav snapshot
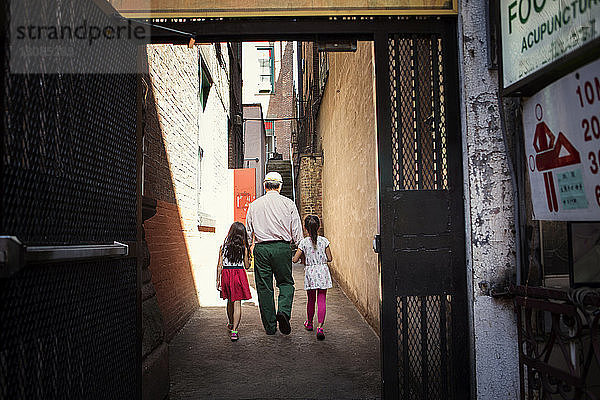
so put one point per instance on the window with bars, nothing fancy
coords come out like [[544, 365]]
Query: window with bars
[[266, 65]]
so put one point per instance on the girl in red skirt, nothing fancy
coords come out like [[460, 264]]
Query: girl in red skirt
[[231, 276]]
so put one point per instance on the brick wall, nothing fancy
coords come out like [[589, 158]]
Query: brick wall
[[171, 101], [281, 104], [190, 191], [310, 196], [171, 267]]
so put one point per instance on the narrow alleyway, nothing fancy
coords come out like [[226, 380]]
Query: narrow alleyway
[[205, 364]]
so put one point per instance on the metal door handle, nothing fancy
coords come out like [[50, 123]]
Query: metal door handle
[[14, 255]]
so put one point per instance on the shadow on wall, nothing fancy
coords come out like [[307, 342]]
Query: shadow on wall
[[170, 262]]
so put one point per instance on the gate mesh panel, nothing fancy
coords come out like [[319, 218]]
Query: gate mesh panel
[[441, 120], [419, 154], [68, 331], [419, 160], [424, 342], [69, 177], [427, 359]]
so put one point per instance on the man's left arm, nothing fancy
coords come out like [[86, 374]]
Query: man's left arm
[[297, 234]]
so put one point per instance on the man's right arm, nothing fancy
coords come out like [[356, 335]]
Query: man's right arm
[[249, 227]]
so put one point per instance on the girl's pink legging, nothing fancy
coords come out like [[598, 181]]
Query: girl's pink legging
[[320, 295]]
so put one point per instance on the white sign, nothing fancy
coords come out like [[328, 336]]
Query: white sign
[[537, 32], [562, 146]]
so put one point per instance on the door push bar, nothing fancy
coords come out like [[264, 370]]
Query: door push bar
[[14, 255]]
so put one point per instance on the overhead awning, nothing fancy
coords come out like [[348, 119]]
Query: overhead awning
[[155, 9]]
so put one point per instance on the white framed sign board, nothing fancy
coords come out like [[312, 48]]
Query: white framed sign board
[[535, 33], [562, 146]]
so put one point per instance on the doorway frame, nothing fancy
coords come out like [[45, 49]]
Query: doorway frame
[[376, 29]]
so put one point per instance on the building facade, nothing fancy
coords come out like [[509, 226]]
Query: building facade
[[255, 143], [268, 80]]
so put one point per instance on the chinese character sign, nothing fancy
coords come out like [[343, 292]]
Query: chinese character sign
[[562, 145], [244, 192]]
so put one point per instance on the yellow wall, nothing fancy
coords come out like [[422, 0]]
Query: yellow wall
[[347, 127]]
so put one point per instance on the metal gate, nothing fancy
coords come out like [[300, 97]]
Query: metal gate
[[425, 350], [69, 302]]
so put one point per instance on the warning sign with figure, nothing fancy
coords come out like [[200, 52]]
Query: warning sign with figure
[[562, 145]]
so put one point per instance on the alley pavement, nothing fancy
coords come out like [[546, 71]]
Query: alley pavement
[[205, 364]]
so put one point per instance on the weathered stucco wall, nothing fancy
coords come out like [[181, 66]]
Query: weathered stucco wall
[[347, 126], [489, 212]]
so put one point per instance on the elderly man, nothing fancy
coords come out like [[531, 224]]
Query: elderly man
[[273, 223]]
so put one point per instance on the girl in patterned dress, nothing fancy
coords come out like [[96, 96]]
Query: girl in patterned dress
[[317, 278], [231, 276]]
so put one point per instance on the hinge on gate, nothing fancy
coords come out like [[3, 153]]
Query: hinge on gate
[[496, 290], [12, 256]]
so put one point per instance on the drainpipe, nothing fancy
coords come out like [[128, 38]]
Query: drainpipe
[[293, 185], [300, 80]]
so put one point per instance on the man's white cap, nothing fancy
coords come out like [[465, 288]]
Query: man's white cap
[[273, 177]]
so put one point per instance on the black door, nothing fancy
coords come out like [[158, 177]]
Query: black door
[[425, 352], [69, 301]]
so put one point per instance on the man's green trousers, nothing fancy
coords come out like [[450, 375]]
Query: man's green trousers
[[273, 259]]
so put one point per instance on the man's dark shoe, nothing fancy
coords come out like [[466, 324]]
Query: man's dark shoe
[[284, 323], [271, 332]]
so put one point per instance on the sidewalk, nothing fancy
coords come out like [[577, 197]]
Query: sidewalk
[[205, 364]]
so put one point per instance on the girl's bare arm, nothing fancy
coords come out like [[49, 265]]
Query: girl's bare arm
[[219, 268], [246, 259], [297, 256], [328, 254]]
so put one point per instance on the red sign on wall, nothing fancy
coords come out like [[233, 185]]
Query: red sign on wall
[[244, 192]]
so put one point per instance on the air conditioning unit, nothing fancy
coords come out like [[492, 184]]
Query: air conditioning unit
[[237, 119]]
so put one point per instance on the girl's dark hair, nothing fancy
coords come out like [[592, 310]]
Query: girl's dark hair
[[312, 224], [235, 243]]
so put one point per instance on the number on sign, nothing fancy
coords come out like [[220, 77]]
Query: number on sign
[[594, 160], [594, 124], [588, 91]]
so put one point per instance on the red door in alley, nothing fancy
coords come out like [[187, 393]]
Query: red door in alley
[[244, 192]]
